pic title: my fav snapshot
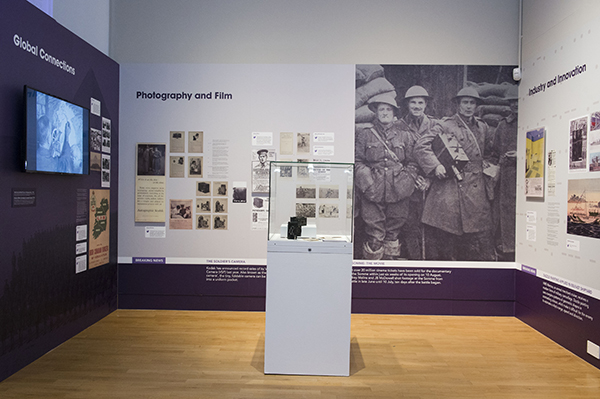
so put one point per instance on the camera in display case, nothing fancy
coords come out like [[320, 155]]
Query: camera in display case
[[311, 201]]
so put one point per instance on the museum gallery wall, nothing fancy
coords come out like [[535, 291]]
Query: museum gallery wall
[[208, 249], [558, 285], [215, 128], [58, 269]]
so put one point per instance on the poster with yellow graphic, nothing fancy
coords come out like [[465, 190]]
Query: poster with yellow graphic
[[99, 248], [534, 163]]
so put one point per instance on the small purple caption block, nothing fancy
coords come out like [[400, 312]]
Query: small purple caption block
[[149, 261], [529, 270]]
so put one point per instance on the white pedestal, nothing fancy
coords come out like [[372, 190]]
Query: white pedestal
[[309, 292]]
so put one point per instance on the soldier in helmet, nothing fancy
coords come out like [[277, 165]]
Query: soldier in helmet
[[416, 124], [457, 209], [384, 179], [505, 154]]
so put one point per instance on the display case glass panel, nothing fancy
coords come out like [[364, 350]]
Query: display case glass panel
[[311, 201]]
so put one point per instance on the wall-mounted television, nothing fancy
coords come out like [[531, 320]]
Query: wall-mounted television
[[57, 135]]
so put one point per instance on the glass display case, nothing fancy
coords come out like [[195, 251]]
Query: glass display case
[[311, 201]]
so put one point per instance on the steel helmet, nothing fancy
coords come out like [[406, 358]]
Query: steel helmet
[[468, 92], [416, 91], [385, 98]]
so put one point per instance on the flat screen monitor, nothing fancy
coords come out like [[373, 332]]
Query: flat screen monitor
[[57, 135]]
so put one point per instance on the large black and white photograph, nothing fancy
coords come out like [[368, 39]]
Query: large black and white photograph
[[435, 162]]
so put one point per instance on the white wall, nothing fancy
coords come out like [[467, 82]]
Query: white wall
[[315, 31], [88, 19], [558, 36], [546, 22]]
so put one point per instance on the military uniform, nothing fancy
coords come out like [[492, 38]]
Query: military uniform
[[459, 211], [505, 141], [384, 184], [412, 231]]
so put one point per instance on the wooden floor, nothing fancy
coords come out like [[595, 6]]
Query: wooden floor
[[173, 354]]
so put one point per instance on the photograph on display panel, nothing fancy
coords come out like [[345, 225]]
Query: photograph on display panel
[[203, 205], [95, 161], [239, 192], [220, 205], [180, 214], [99, 225], [151, 159], [435, 162], [578, 144], [196, 166], [220, 222], [303, 144], [150, 182], [106, 135], [95, 140], [306, 210], [594, 142], [202, 189], [583, 208], [195, 142], [260, 170], [176, 166], [203, 222], [220, 188], [176, 142]]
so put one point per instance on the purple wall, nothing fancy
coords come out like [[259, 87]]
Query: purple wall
[[567, 317], [184, 287], [481, 292], [43, 302]]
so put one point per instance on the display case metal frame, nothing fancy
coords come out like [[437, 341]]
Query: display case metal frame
[[323, 192]]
